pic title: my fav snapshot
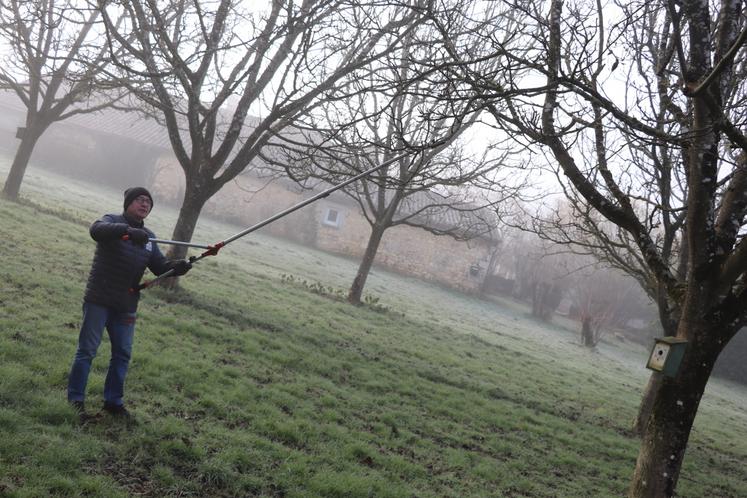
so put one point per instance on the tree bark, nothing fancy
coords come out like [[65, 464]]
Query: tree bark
[[356, 289], [20, 163], [184, 229], [587, 334], [669, 324], [490, 269], [647, 403], [667, 429]]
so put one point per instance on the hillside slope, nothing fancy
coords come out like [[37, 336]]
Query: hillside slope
[[255, 379]]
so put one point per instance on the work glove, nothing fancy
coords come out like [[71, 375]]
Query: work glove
[[181, 267], [138, 236]]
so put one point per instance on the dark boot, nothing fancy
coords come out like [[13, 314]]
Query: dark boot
[[116, 410], [79, 407]]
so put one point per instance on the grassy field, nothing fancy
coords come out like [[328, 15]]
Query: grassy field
[[255, 379]]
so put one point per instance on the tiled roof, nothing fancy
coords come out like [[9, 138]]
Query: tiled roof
[[126, 124]]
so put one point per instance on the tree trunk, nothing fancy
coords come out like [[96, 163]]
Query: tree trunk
[[537, 298], [587, 332], [20, 162], [490, 269], [669, 324], [647, 403], [667, 430], [185, 228], [356, 289]]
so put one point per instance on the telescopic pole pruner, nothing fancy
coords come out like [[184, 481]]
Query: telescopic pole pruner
[[213, 249], [179, 243], [173, 242]]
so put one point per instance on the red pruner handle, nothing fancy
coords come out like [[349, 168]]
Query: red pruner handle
[[142, 286], [147, 284], [211, 251]]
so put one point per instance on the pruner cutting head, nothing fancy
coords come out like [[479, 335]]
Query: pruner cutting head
[[213, 249]]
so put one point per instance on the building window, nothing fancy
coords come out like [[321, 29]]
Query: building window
[[332, 217], [474, 270]]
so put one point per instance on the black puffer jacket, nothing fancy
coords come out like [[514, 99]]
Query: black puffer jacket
[[118, 265]]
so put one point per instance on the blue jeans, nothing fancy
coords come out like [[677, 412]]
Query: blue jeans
[[121, 329]]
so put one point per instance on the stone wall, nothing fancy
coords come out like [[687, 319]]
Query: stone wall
[[411, 251]]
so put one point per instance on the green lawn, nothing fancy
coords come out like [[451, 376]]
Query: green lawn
[[255, 379]]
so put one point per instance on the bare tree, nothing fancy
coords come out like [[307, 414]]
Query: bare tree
[[538, 250], [662, 157], [436, 185], [54, 58], [519, 260], [207, 64], [597, 295], [599, 260]]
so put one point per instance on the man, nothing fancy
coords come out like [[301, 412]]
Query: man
[[123, 251]]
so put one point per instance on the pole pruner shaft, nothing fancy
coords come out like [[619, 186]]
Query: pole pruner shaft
[[212, 250], [172, 242]]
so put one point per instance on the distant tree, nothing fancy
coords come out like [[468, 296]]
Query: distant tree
[[383, 112], [597, 294], [54, 57], [598, 273], [660, 154], [207, 64], [544, 269], [519, 255], [537, 269], [546, 297]]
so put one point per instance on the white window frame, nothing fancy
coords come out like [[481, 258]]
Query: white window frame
[[332, 223]]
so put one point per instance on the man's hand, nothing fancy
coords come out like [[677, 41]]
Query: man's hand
[[138, 236], [181, 267]]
